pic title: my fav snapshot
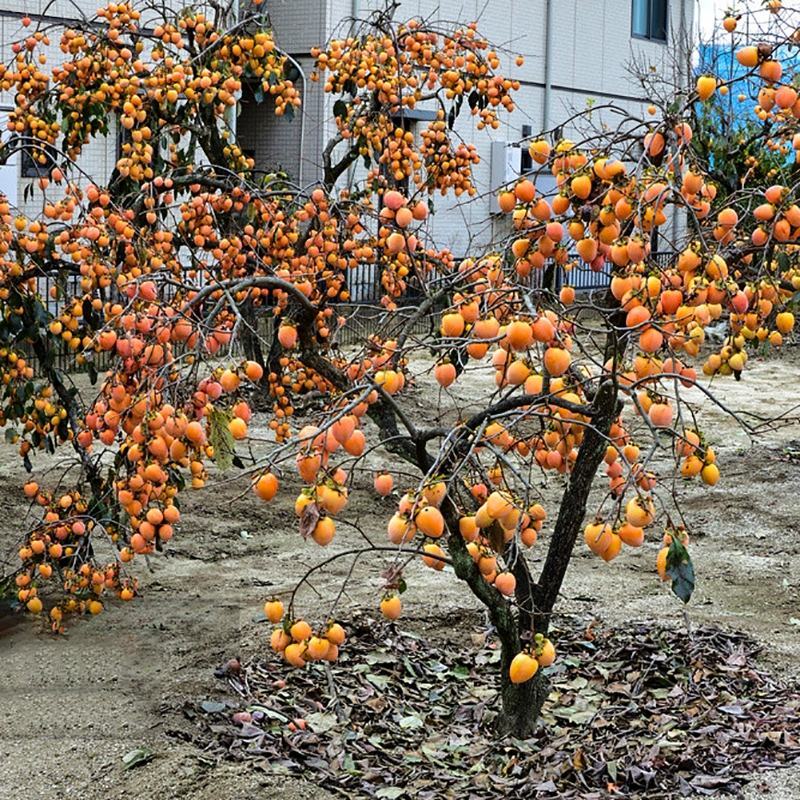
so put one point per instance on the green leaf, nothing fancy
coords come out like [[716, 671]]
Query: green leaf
[[578, 716], [377, 657], [680, 569], [268, 712], [135, 758], [411, 721], [349, 765], [340, 109], [14, 324], [98, 510], [40, 314]]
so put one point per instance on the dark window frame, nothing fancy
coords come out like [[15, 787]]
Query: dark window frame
[[652, 29], [123, 137], [31, 168], [407, 120], [526, 160]]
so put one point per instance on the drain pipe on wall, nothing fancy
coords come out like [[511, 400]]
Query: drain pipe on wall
[[231, 115], [355, 10], [303, 86], [548, 63]]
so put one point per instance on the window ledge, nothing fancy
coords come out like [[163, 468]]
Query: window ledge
[[647, 39]]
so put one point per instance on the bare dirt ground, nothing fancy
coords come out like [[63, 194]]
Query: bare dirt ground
[[71, 707]]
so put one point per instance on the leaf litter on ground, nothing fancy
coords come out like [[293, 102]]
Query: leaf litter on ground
[[635, 711]]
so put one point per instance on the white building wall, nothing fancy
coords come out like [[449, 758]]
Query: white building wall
[[592, 50], [591, 46], [99, 156]]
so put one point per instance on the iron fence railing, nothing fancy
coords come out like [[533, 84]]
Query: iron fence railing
[[363, 311]]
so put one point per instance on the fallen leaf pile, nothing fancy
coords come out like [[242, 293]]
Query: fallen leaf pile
[[635, 711]]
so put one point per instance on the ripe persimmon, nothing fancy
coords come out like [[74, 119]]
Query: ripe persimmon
[[238, 428], [507, 201], [324, 531], [384, 483], [294, 654], [317, 648], [556, 360], [429, 521], [505, 583], [434, 556], [273, 610], [522, 668], [335, 634], [391, 607], [279, 640], [445, 373]]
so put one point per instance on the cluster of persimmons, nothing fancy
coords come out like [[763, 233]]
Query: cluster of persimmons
[[388, 73], [150, 80], [603, 216]]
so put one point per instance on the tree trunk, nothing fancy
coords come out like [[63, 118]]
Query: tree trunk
[[251, 344], [573, 504], [522, 704], [249, 334]]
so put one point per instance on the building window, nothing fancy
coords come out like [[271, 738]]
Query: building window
[[124, 137], [649, 19], [526, 160], [37, 161]]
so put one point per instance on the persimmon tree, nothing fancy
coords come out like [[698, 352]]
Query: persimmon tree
[[732, 127], [168, 253]]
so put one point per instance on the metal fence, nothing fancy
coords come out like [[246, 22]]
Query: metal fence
[[364, 282], [363, 312]]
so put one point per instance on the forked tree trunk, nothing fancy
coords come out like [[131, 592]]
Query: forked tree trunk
[[249, 334], [522, 703]]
